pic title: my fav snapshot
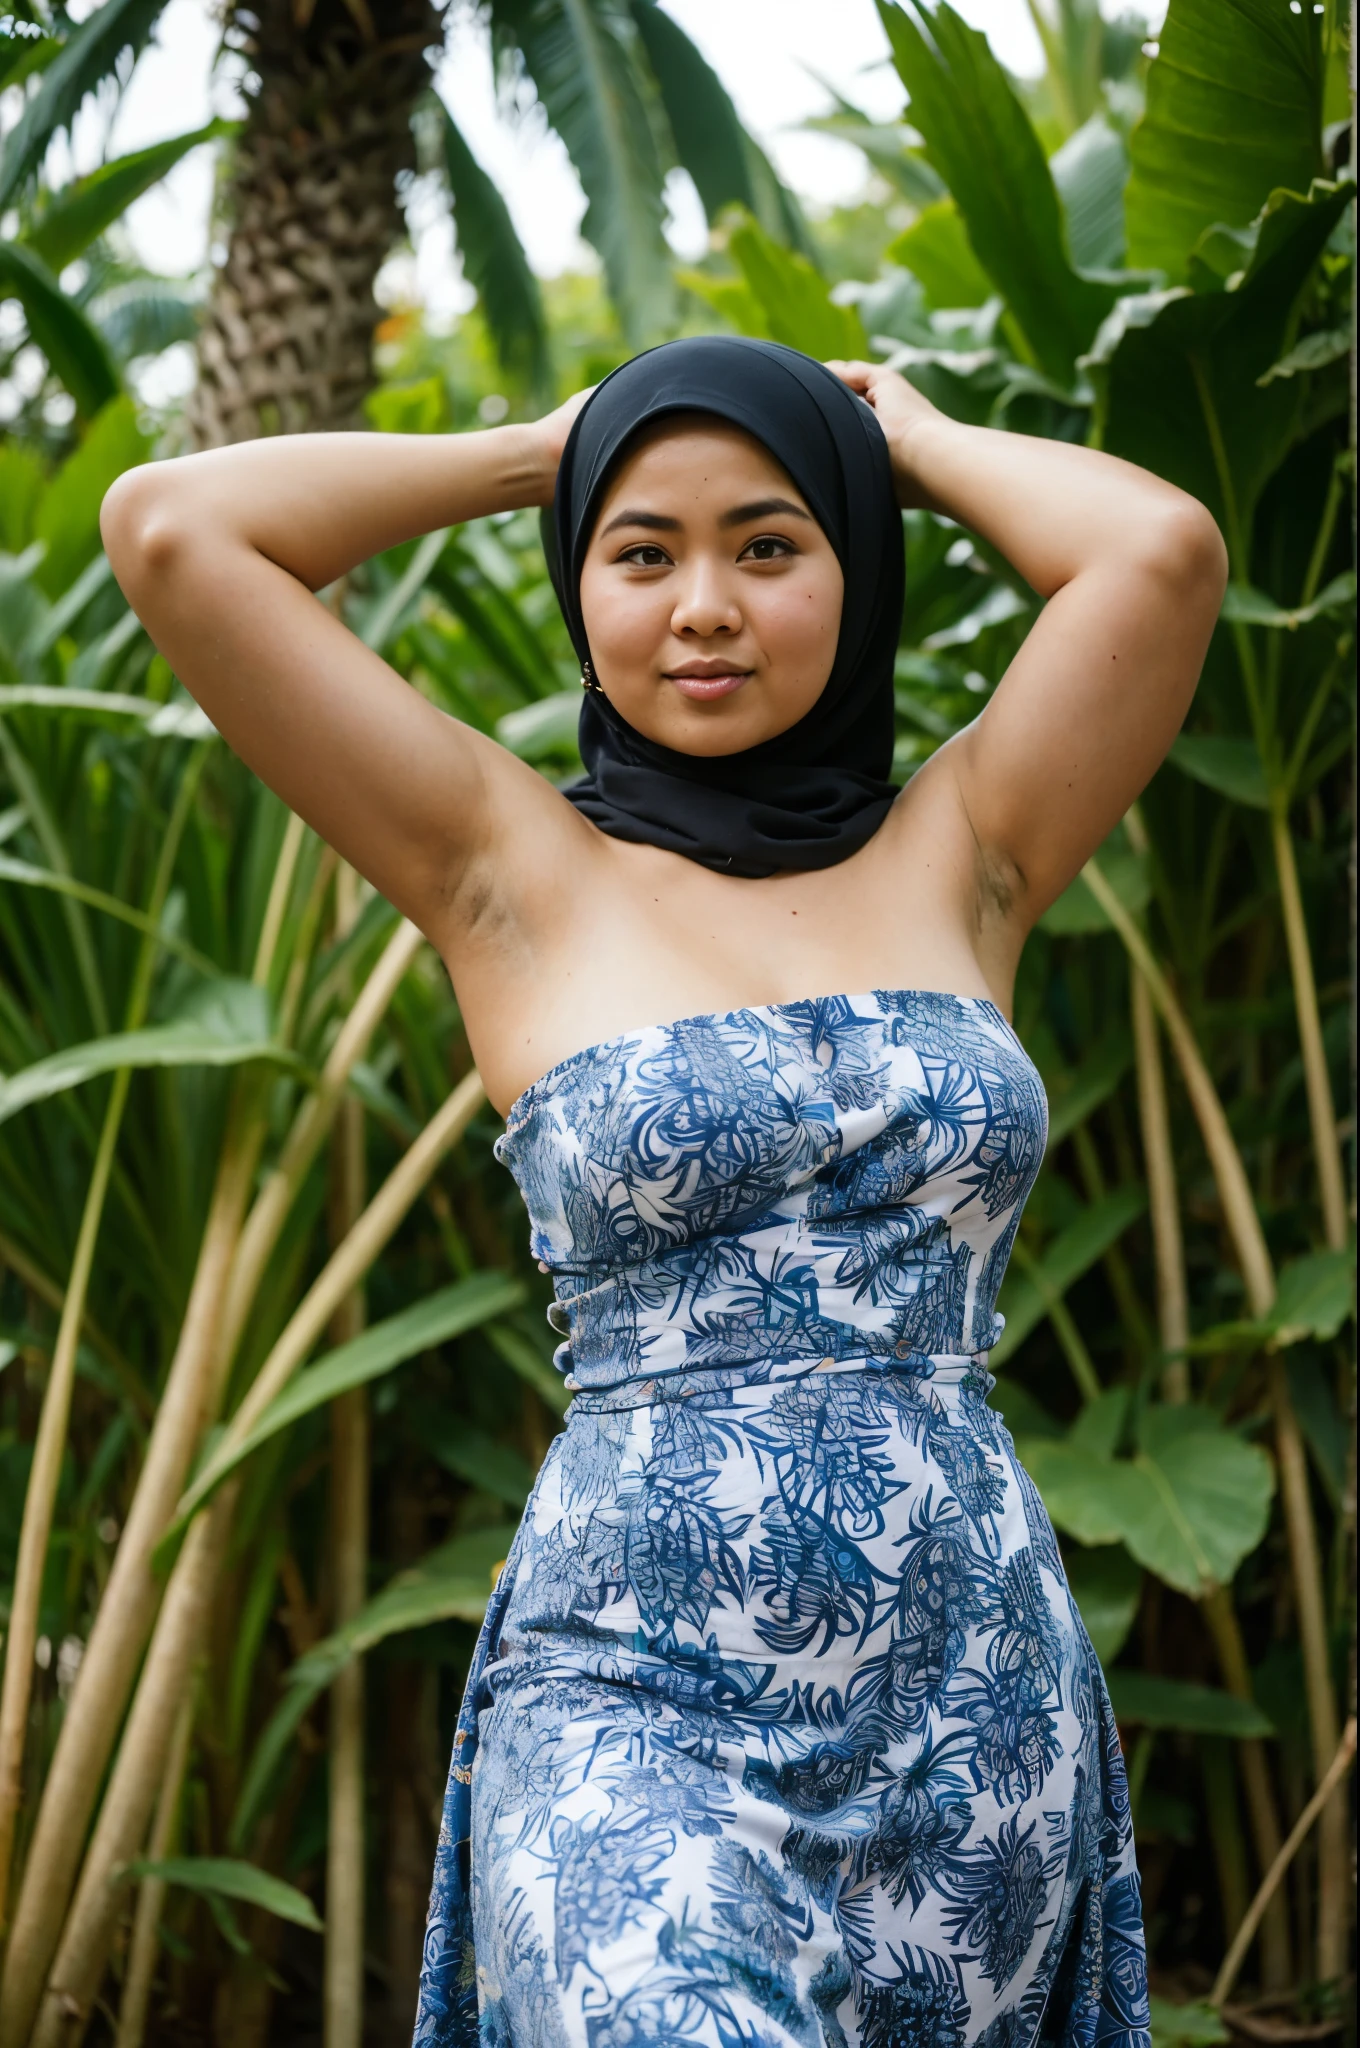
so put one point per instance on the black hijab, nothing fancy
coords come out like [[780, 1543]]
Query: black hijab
[[813, 795]]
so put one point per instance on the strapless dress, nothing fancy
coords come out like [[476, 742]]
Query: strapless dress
[[783, 1730]]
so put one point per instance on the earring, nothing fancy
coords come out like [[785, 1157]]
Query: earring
[[588, 681]]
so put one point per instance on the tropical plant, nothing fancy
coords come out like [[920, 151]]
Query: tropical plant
[[214, 1042], [88, 327]]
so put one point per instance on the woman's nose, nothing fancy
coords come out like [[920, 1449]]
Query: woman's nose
[[705, 602]]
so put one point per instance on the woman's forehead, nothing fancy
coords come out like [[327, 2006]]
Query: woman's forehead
[[698, 455]]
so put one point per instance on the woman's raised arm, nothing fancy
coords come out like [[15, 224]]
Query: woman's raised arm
[[219, 555], [1132, 571]]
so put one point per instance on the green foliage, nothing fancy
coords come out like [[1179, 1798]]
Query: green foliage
[[727, 166], [1232, 383], [496, 266], [1189, 1503], [936, 249], [224, 1878], [979, 140], [65, 226], [579, 57], [449, 1313], [76, 352], [1234, 110], [68, 513], [1179, 374], [89, 55]]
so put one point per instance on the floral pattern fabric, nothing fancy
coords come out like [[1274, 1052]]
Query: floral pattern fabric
[[783, 1730]]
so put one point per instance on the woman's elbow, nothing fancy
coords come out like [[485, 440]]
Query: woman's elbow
[[1185, 551], [142, 529]]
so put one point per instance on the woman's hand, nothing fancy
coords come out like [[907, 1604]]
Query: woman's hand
[[902, 412], [547, 438]]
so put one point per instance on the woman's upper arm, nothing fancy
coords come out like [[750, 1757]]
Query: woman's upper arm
[[396, 786], [1091, 703]]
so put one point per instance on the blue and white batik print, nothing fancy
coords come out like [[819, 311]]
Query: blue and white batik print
[[783, 1730]]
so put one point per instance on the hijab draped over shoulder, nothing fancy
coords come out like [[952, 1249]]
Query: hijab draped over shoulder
[[812, 795]]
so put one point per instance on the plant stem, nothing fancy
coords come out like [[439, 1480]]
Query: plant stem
[[343, 1968], [1234, 1189], [1225, 1831], [68, 1995], [352, 1259], [45, 1287], [1328, 1789], [41, 1493], [49, 1449], [146, 1939], [75, 1975], [1310, 1605], [1073, 1344], [314, 1118], [126, 1611], [128, 1607], [1321, 1109], [1159, 1160], [1277, 1968]]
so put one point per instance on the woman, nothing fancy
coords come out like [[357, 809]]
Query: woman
[[785, 1727]]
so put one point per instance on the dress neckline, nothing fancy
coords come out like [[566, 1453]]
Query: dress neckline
[[639, 1031]]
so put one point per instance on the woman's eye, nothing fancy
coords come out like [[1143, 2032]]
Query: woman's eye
[[645, 556], [767, 547]]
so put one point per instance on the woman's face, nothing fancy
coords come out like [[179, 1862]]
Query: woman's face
[[711, 597]]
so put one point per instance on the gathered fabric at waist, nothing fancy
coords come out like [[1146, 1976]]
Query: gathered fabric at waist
[[789, 1293], [946, 1371]]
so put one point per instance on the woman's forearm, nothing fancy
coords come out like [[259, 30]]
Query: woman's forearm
[[318, 504], [1051, 509]]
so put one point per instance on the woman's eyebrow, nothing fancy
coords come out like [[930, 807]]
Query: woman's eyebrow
[[654, 522], [763, 508]]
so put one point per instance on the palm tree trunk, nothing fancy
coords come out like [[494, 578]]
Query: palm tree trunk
[[286, 343]]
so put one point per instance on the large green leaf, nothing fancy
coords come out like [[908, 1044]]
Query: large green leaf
[[979, 138], [1105, 1584], [1177, 373], [1027, 1297], [727, 166], [229, 1026], [75, 350], [1189, 1505], [1315, 1297], [794, 300], [496, 265], [1153, 1702], [1090, 172], [891, 148], [450, 1312], [68, 516], [225, 1877], [140, 316], [936, 249], [73, 217], [1234, 109], [89, 56], [1244, 606], [1232, 765], [21, 485], [580, 55]]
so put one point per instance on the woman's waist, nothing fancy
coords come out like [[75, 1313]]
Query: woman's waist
[[946, 1372]]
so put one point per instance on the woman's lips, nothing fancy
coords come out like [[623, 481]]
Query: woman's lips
[[703, 688]]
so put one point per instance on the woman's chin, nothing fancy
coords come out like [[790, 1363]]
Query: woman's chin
[[723, 725]]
